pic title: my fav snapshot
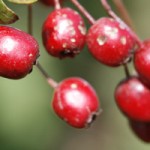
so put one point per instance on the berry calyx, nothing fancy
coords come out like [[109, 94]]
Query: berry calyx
[[18, 52], [141, 129], [64, 33], [142, 61], [110, 42], [76, 102], [133, 99]]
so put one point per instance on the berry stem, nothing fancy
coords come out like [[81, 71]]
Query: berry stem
[[30, 19], [124, 13], [50, 81], [126, 69], [57, 4], [113, 15], [84, 11]]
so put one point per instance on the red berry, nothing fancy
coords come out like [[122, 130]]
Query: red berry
[[110, 42], [64, 33], [49, 2], [133, 99], [141, 129], [142, 61], [76, 102], [18, 52]]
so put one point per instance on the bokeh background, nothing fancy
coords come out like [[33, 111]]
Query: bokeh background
[[27, 121]]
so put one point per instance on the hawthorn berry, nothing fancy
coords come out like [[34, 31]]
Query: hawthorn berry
[[142, 61], [76, 102], [64, 33], [49, 2], [141, 129], [110, 42], [133, 99], [18, 52]]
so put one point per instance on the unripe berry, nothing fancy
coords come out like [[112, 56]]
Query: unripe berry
[[64, 33], [133, 99], [110, 42], [76, 102], [18, 52]]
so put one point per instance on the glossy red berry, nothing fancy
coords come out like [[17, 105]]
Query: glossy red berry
[[141, 129], [64, 33], [18, 52], [49, 2], [142, 61], [110, 42], [76, 102], [133, 99]]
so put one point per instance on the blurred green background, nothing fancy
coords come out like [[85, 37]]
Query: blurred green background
[[27, 121]]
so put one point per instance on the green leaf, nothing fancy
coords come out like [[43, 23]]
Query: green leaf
[[23, 1], [7, 16]]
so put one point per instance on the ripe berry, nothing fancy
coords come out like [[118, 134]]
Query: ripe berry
[[110, 42], [18, 52], [64, 33], [49, 2], [141, 129], [142, 61], [76, 102], [133, 99]]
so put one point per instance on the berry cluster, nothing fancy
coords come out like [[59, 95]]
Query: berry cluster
[[109, 40]]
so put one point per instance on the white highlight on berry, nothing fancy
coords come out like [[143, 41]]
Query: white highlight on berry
[[74, 86], [73, 40], [101, 40], [62, 26], [82, 29], [30, 55], [8, 44], [111, 32], [64, 45], [123, 40]]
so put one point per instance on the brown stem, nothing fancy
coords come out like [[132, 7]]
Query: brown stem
[[50, 81], [84, 11], [30, 19], [113, 15], [57, 4], [124, 13], [126, 69]]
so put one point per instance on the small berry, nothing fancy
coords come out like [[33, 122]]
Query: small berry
[[64, 33], [49, 2], [133, 99], [18, 52], [142, 61], [76, 102], [141, 129], [110, 42]]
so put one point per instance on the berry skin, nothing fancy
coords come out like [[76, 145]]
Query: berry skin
[[141, 129], [76, 102], [110, 42], [49, 2], [18, 52], [64, 33], [133, 99], [142, 61]]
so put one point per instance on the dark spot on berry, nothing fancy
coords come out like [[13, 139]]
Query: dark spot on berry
[[69, 53]]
